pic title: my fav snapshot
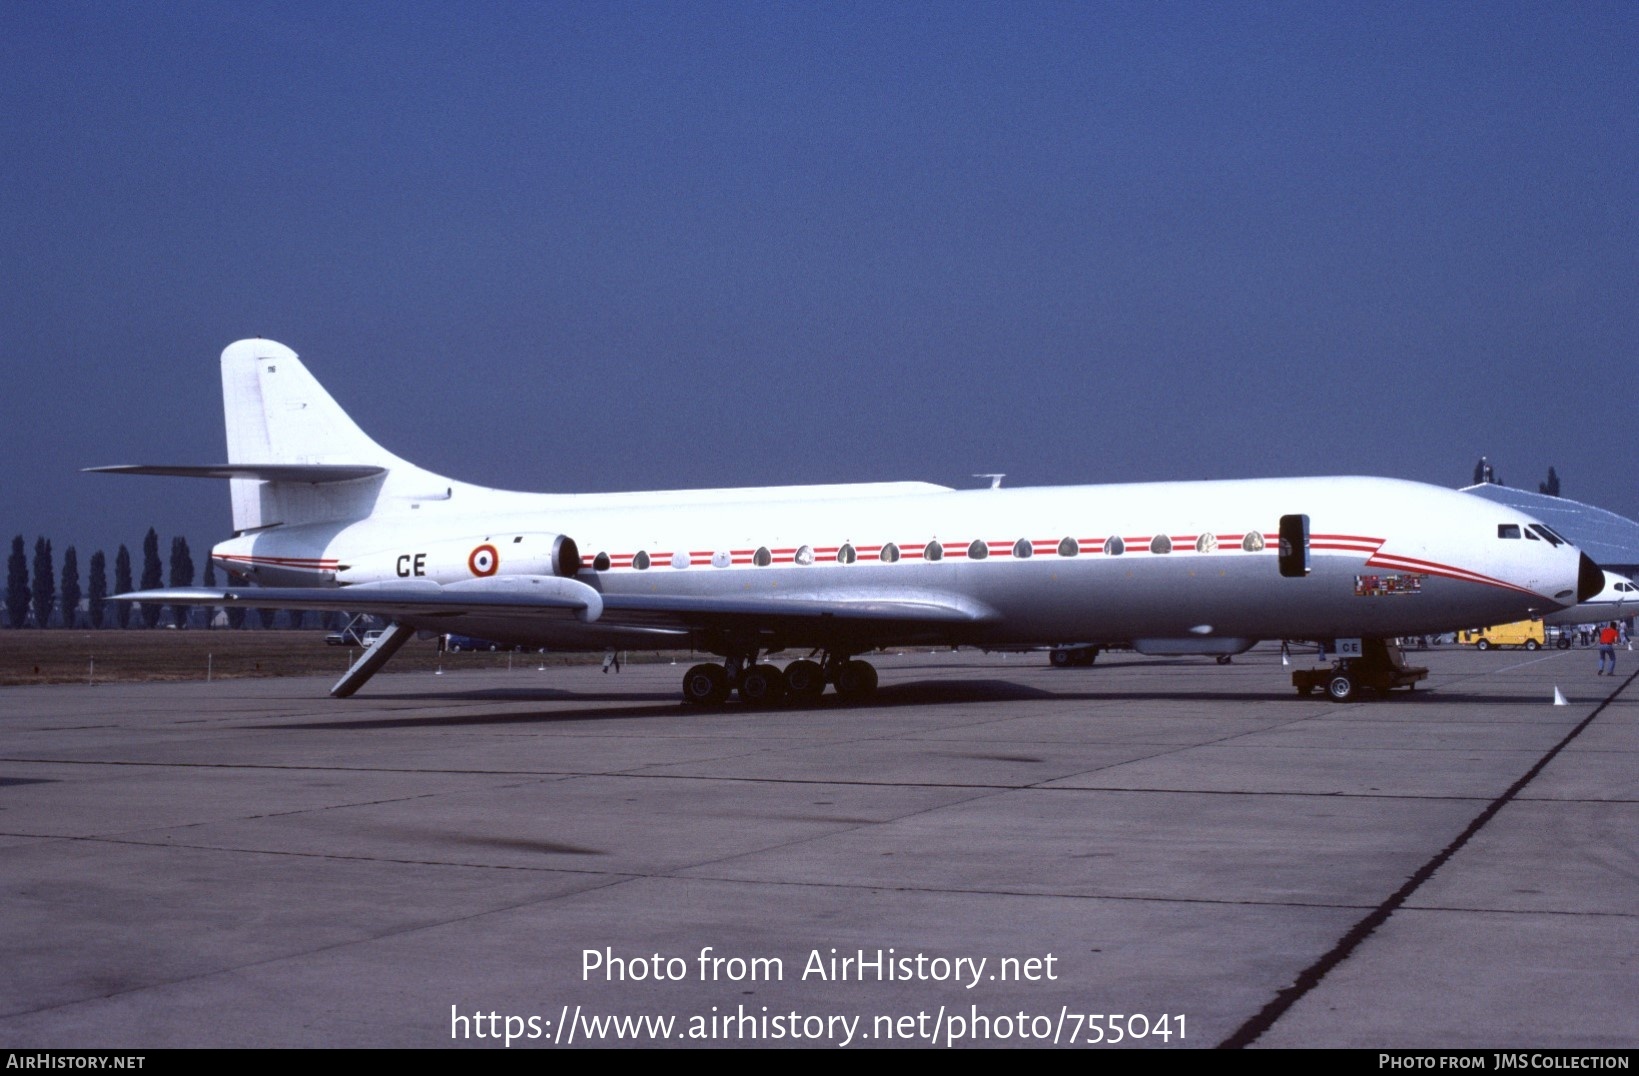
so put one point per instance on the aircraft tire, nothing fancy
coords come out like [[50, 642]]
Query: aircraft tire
[[856, 680], [1060, 659], [804, 681], [762, 685], [1341, 688], [705, 685]]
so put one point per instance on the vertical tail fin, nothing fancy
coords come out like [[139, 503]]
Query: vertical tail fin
[[276, 412]]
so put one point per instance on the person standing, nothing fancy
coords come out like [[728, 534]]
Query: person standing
[[1607, 647]]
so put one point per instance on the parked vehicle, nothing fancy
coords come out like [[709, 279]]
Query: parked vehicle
[[1523, 633]]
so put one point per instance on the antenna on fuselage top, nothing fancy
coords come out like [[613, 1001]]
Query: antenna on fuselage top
[[995, 479]]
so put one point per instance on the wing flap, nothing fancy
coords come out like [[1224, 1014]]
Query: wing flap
[[914, 607]]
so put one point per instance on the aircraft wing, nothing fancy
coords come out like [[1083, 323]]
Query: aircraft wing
[[528, 594], [537, 595]]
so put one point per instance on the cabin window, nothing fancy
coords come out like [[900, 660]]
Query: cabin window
[[977, 550], [1206, 543], [640, 560], [805, 555], [1253, 542], [846, 554], [762, 558], [889, 553], [1114, 546], [600, 563], [1507, 530], [1022, 548], [1160, 544], [933, 551], [1069, 547]]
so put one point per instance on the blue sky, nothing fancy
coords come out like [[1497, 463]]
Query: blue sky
[[601, 246]]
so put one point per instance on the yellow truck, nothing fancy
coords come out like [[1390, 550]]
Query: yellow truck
[[1526, 633]]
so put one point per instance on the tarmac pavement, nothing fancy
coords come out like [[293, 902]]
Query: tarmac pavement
[[1176, 852]]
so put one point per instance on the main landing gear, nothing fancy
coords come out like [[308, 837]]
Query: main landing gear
[[765, 685]]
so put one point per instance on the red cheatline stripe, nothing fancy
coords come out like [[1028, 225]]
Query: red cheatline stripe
[[1446, 570]]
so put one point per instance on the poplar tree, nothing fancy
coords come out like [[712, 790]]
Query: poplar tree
[[97, 598], [181, 576], [153, 577], [122, 585], [17, 584], [71, 587], [45, 583]]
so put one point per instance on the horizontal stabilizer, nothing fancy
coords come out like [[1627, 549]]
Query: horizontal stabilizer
[[314, 473]]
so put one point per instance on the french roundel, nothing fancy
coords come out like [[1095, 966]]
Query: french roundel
[[484, 560]]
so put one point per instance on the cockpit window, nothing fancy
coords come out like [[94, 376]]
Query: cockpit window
[[1529, 533], [1507, 530], [1553, 538]]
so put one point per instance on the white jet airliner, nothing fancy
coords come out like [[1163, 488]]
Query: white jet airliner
[[1618, 599], [325, 518]]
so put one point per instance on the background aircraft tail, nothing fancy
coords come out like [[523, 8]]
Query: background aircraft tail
[[304, 460]]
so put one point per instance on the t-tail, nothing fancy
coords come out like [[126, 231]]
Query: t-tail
[[294, 456]]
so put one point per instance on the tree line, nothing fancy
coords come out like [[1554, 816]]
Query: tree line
[[38, 596]]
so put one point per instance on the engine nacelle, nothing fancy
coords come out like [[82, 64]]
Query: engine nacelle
[[453, 560]]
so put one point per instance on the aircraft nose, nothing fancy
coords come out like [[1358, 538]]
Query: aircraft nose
[[1589, 579]]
